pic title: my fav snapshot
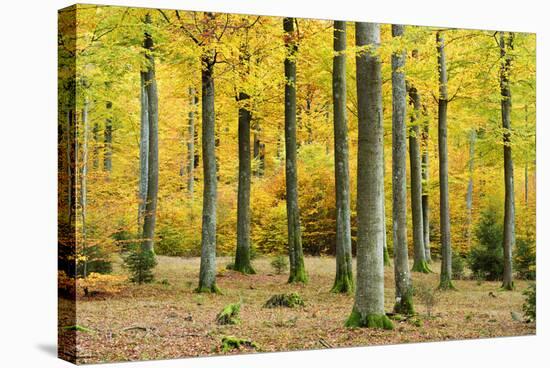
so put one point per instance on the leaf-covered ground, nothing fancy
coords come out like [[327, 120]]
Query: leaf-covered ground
[[168, 319]]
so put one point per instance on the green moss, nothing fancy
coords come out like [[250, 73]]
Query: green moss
[[246, 269], [77, 328], [508, 286], [446, 284], [369, 321], [209, 290], [343, 284], [285, 300], [299, 274], [229, 315], [404, 305], [231, 342], [422, 267]]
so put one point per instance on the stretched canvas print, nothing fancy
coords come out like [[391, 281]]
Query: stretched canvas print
[[236, 183]]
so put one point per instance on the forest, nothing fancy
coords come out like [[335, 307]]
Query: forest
[[236, 183]]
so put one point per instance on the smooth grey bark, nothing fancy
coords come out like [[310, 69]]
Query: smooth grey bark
[[470, 191], [207, 275], [190, 162], [143, 151], [242, 254], [296, 256], [425, 186], [506, 45], [444, 215], [343, 282], [420, 264], [84, 185], [150, 215], [368, 308], [108, 140], [403, 285]]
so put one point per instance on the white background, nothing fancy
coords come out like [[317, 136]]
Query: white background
[[28, 164]]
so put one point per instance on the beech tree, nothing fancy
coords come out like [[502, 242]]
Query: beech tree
[[506, 45], [296, 255], [403, 287], [444, 214], [343, 282], [368, 308]]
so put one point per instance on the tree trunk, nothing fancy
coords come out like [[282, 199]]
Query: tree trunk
[[191, 142], [444, 215], [403, 287], [343, 282], [420, 264], [143, 152], [152, 159], [207, 276], [242, 255], [470, 191], [108, 140], [95, 152], [84, 186], [296, 256], [425, 188], [506, 44], [368, 310]]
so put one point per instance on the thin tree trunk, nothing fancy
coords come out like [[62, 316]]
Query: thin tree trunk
[[242, 255], [403, 286], [420, 264], [84, 187], [152, 159], [296, 256], [207, 276], [383, 199], [191, 142], [425, 187], [108, 140], [143, 151], [470, 192], [343, 282], [444, 215], [95, 152], [368, 309], [506, 44]]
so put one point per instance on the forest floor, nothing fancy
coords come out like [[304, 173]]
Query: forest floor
[[169, 320]]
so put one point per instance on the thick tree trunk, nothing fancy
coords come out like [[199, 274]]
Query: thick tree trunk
[[343, 282], [403, 286], [108, 140], [296, 256], [143, 151], [470, 191], [207, 276], [242, 255], [420, 264], [444, 215], [506, 44], [152, 159], [368, 309], [190, 170]]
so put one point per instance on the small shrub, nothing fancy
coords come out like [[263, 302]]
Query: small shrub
[[458, 265], [530, 304], [170, 242], [285, 300], [229, 315], [231, 342], [97, 283], [140, 263], [280, 264], [525, 259], [427, 297], [97, 261], [486, 257]]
